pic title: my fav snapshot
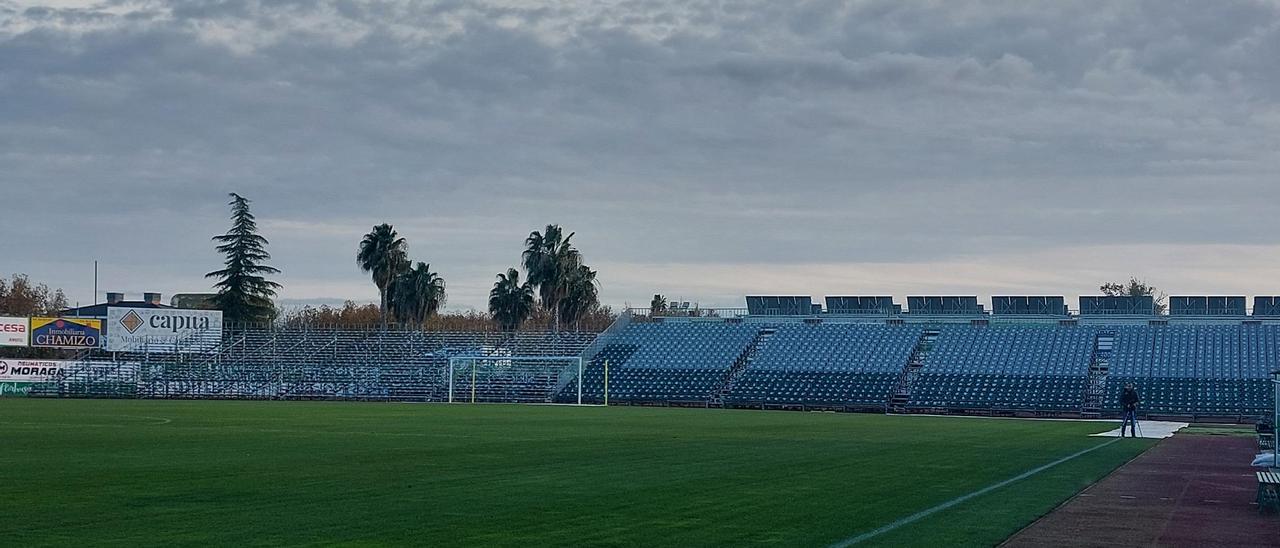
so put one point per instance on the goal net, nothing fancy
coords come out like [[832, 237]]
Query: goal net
[[515, 379]]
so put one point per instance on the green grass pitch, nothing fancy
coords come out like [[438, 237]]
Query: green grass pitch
[[130, 473]]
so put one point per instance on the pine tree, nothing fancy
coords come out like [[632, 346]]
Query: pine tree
[[244, 295]]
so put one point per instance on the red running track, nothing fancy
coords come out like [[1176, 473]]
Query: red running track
[[1189, 490]]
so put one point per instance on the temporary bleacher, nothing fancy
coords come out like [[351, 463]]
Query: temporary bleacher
[[285, 363], [1034, 367], [1259, 356], [667, 361], [1196, 369], [1203, 369], [824, 364]]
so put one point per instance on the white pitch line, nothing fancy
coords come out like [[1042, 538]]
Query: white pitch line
[[960, 499], [154, 421], [159, 420]]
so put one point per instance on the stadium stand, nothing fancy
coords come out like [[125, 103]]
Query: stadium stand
[[1208, 369], [945, 355], [827, 364], [318, 364], [669, 361], [1037, 368]]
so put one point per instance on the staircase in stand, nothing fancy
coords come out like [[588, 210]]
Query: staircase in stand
[[740, 365], [1095, 388], [911, 371]]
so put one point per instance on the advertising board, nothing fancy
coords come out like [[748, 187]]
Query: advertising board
[[163, 330], [14, 331], [66, 332]]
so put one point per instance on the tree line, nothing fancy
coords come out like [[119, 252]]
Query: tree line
[[406, 291], [558, 289], [351, 314], [556, 284], [565, 286], [19, 296]]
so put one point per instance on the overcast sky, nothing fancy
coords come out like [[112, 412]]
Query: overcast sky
[[704, 150]]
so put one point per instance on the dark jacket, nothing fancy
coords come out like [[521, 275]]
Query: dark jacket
[[1129, 399]]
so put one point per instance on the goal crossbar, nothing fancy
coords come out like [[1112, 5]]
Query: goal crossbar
[[571, 372]]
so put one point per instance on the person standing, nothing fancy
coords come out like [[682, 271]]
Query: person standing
[[1129, 401]]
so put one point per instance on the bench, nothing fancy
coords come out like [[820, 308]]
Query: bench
[[1268, 491]]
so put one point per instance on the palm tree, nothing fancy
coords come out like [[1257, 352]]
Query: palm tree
[[510, 302], [580, 294], [418, 293], [548, 258], [658, 305], [382, 253]]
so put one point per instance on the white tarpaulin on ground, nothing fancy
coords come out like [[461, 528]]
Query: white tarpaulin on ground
[[163, 330], [1150, 429]]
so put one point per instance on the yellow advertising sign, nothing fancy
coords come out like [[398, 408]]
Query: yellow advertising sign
[[66, 332]]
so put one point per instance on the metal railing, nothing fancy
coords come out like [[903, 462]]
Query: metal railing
[[740, 312], [691, 312]]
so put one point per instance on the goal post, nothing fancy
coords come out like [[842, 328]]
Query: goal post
[[514, 379]]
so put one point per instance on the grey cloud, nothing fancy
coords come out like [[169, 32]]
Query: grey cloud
[[664, 132]]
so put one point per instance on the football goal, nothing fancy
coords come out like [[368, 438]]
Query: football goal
[[515, 379]]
